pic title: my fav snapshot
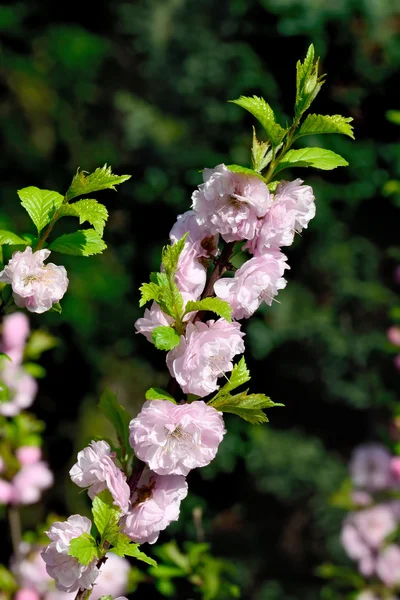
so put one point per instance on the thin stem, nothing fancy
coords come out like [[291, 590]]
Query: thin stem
[[47, 232], [14, 520]]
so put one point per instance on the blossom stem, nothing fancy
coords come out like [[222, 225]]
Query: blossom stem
[[47, 232], [14, 520]]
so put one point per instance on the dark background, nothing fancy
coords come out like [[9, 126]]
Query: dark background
[[144, 87]]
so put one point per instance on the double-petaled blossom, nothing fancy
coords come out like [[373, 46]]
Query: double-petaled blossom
[[173, 439], [153, 317], [15, 331], [292, 209], [155, 504], [204, 354], [35, 286], [231, 203], [198, 232], [96, 470], [257, 281], [370, 467], [191, 274], [68, 573]]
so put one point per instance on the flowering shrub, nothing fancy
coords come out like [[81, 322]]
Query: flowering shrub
[[198, 296]]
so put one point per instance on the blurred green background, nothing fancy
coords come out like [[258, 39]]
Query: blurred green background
[[144, 87]]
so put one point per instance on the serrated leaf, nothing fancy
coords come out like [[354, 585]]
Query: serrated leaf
[[101, 179], [308, 82], [216, 305], [240, 375], [149, 291], [117, 415], [83, 548], [247, 406], [125, 547], [244, 171], [41, 205], [165, 338], [319, 158], [87, 210], [155, 393], [316, 124], [253, 416], [261, 155], [105, 514], [7, 237], [262, 111], [170, 256], [85, 242]]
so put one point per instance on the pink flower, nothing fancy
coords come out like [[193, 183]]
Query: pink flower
[[26, 594], [257, 281], [30, 570], [375, 524], [352, 540], [155, 504], [14, 335], [152, 318], [28, 455], [18, 386], [396, 361], [393, 335], [367, 595], [388, 565], [30, 481], [113, 577], [6, 492], [191, 274], [292, 209], [361, 498], [198, 232], [370, 467], [96, 470], [173, 439], [36, 286], [231, 203], [204, 354], [68, 573]]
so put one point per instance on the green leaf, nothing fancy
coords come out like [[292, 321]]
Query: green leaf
[[101, 179], [316, 124], [39, 342], [261, 155], [149, 291], [41, 205], [248, 407], [106, 598], [393, 116], [7, 237], [265, 115], [57, 308], [87, 210], [37, 371], [318, 158], [245, 171], [216, 305], [106, 516], [117, 415], [308, 83], [170, 256], [240, 375], [81, 243], [165, 338], [159, 394], [125, 547], [84, 548], [165, 292]]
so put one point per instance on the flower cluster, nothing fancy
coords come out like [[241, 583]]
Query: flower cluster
[[367, 533], [35, 286], [32, 477], [238, 208]]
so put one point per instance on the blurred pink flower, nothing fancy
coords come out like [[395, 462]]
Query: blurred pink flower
[[19, 387], [6, 492], [26, 594], [204, 354], [14, 335], [30, 481], [388, 565], [393, 335], [97, 471], [155, 504], [68, 573], [173, 439], [35, 286], [396, 361], [28, 455], [370, 467]]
